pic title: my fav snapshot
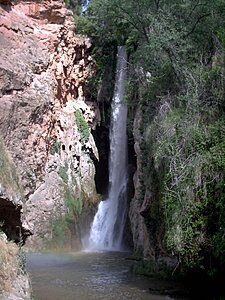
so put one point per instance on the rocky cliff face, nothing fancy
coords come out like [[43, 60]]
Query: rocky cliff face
[[44, 119], [144, 213], [14, 282], [141, 238]]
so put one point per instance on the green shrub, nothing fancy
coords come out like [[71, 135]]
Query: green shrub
[[151, 269], [63, 173], [59, 229], [74, 204], [82, 126], [192, 187], [74, 5], [22, 261], [61, 226], [55, 147]]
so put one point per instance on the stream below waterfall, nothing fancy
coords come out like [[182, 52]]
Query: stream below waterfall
[[85, 276]]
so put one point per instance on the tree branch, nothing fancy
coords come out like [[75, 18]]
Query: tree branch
[[194, 8], [142, 30], [196, 23], [157, 4]]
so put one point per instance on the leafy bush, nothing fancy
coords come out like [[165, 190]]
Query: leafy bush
[[176, 75], [82, 126], [59, 230], [193, 185], [74, 5], [74, 204], [55, 147], [63, 173], [61, 226]]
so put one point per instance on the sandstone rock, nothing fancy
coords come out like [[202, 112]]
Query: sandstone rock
[[44, 68], [11, 200], [45, 204]]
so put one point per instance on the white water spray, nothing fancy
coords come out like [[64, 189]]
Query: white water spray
[[85, 5], [108, 225]]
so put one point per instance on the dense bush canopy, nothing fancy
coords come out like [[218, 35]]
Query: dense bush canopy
[[176, 77]]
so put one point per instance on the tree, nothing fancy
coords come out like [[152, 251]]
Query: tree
[[176, 59]]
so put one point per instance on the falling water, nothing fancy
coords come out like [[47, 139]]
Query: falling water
[[85, 5], [108, 225]]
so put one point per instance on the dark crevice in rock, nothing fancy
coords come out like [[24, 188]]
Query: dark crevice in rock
[[36, 116], [132, 161], [10, 221], [132, 166], [39, 68], [10, 82], [8, 92], [60, 125], [101, 137], [78, 55], [91, 154], [5, 4]]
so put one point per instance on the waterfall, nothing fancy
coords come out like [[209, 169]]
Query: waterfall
[[108, 225], [85, 5]]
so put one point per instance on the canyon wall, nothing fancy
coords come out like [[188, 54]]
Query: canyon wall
[[14, 282], [144, 213], [46, 120]]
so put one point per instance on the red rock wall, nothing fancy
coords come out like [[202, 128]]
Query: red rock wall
[[44, 68]]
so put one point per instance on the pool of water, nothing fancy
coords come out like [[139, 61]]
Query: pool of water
[[84, 276]]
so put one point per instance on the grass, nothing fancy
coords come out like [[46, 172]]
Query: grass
[[8, 173], [82, 127], [9, 266], [61, 226], [151, 269], [63, 173], [55, 147]]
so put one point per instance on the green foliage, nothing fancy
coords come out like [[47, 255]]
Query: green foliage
[[101, 22], [63, 173], [144, 268], [176, 79], [59, 230], [151, 269], [82, 126], [74, 204], [55, 147], [8, 173], [193, 185], [61, 226], [74, 5], [22, 261], [21, 257]]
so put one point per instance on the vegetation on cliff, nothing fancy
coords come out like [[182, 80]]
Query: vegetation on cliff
[[82, 127], [14, 282], [8, 173], [8, 264], [176, 78]]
